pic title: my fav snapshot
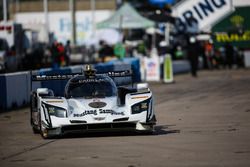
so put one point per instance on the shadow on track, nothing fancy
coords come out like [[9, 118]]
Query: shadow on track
[[158, 130], [164, 130]]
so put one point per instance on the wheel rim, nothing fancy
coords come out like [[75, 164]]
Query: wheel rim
[[45, 133]]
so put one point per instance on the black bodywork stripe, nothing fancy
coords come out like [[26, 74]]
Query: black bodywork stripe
[[150, 110], [48, 120]]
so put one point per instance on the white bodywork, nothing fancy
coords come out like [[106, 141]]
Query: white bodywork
[[77, 114]]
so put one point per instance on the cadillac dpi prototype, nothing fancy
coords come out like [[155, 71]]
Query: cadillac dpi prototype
[[92, 103]]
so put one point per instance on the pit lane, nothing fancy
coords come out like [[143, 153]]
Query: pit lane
[[202, 121]]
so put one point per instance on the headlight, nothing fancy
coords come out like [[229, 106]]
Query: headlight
[[56, 111], [139, 107]]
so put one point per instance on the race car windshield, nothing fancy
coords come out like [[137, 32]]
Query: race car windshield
[[92, 88]]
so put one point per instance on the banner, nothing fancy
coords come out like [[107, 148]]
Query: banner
[[168, 69], [60, 24], [234, 29], [152, 68], [202, 14]]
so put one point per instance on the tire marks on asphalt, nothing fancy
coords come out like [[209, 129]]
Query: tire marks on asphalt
[[27, 150]]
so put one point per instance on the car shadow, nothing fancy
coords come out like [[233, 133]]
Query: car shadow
[[165, 129], [158, 130]]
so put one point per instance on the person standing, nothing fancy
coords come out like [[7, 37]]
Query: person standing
[[105, 51], [229, 55], [67, 52], [193, 54], [61, 51], [55, 55]]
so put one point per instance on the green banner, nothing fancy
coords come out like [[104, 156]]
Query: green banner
[[234, 29]]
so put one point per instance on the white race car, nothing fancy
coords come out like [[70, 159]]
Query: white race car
[[92, 103]]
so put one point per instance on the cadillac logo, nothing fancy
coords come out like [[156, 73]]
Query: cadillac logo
[[97, 104]]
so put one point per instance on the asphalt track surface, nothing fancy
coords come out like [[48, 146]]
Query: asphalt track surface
[[202, 122]]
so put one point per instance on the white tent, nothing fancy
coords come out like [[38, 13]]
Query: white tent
[[126, 18]]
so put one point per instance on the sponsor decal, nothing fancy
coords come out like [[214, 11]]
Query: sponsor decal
[[101, 111], [90, 80], [233, 37], [152, 67], [112, 112], [237, 20], [86, 112]]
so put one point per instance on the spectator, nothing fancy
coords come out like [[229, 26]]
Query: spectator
[[55, 55], [209, 52], [229, 55], [61, 51], [104, 51], [67, 52], [193, 55]]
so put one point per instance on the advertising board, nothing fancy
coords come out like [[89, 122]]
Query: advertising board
[[60, 23], [168, 69], [203, 13], [152, 69]]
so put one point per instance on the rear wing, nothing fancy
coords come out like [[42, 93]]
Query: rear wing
[[36, 77], [53, 77], [112, 74], [122, 74], [126, 73]]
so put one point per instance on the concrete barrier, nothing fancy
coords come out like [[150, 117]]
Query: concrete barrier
[[181, 66], [247, 58], [76, 68], [3, 92], [14, 89]]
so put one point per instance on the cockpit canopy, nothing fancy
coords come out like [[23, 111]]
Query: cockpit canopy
[[99, 86]]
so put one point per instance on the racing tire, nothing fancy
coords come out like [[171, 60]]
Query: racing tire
[[35, 130], [44, 134], [43, 131]]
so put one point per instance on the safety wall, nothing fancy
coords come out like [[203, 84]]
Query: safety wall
[[3, 92], [181, 66], [247, 58], [14, 90]]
